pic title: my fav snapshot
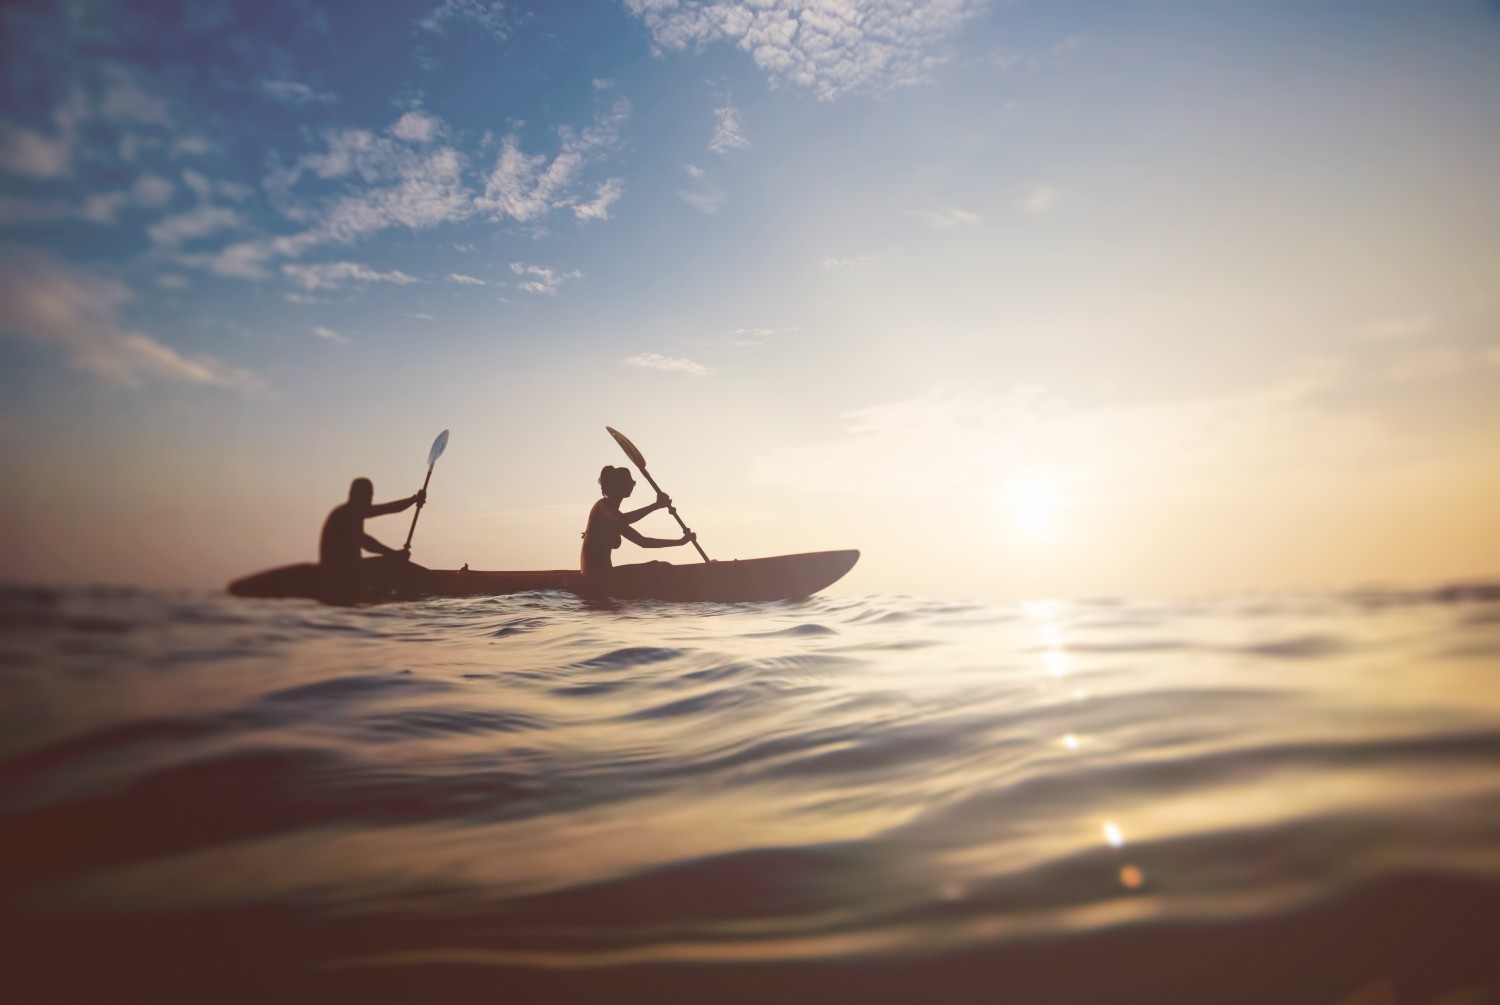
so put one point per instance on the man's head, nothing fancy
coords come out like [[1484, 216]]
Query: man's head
[[361, 491], [616, 482]]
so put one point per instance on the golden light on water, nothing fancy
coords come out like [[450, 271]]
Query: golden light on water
[[1113, 834]]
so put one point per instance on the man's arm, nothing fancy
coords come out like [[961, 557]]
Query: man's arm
[[368, 543], [397, 505]]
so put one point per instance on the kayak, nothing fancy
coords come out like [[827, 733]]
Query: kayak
[[780, 577]]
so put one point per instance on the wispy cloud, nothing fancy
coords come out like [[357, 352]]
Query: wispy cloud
[[702, 193], [79, 314], [416, 126], [488, 16], [529, 187], [670, 364], [195, 223], [831, 47], [540, 278], [605, 196], [463, 280], [329, 275], [294, 92], [947, 219], [729, 130], [1042, 199], [852, 263], [127, 100], [29, 152], [330, 335]]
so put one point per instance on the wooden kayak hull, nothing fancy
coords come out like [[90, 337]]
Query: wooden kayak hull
[[780, 577]]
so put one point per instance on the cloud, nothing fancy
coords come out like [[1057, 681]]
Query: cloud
[[670, 364], [28, 152], [529, 187], [125, 100], [606, 195], [542, 279], [947, 219], [330, 335], [292, 92], [417, 127], [1042, 199], [463, 280], [384, 182], [855, 263], [330, 275], [79, 314], [702, 193], [490, 16], [98, 207], [728, 132], [191, 146], [152, 191], [199, 222], [833, 47]]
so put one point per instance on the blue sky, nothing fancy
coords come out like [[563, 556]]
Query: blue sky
[[1017, 297]]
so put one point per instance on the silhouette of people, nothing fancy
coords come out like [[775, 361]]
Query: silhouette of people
[[344, 536], [607, 525]]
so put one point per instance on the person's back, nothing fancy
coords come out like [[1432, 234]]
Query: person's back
[[339, 544]]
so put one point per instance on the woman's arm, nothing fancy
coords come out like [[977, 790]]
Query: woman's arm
[[636, 537], [663, 501]]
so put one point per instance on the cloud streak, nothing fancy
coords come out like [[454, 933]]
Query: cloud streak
[[667, 364], [832, 47], [540, 278], [528, 188], [79, 314]]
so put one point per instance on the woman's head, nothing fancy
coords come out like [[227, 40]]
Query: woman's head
[[616, 482]]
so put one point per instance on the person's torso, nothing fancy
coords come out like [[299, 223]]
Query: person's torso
[[600, 537], [339, 543]]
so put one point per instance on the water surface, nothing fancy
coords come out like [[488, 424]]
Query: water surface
[[1280, 798]]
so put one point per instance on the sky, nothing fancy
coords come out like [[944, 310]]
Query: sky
[[1036, 298]]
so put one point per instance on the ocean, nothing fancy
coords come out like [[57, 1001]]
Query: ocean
[[1258, 798]]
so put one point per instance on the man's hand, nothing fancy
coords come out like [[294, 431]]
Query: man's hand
[[688, 538], [663, 501], [420, 497]]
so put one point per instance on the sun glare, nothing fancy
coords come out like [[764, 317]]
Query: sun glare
[[1033, 500]]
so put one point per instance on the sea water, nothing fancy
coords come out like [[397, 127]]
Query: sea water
[[530, 798]]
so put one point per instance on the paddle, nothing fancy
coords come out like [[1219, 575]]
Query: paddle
[[438, 446], [639, 461]]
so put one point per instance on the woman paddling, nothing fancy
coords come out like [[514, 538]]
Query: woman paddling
[[607, 525]]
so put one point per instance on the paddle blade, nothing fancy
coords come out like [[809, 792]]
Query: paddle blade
[[628, 447], [438, 446]]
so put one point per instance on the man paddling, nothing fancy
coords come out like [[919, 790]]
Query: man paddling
[[344, 536]]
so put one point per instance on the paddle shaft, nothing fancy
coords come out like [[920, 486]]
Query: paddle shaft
[[672, 510], [418, 513]]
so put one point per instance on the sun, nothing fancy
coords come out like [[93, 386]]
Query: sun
[[1033, 499]]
